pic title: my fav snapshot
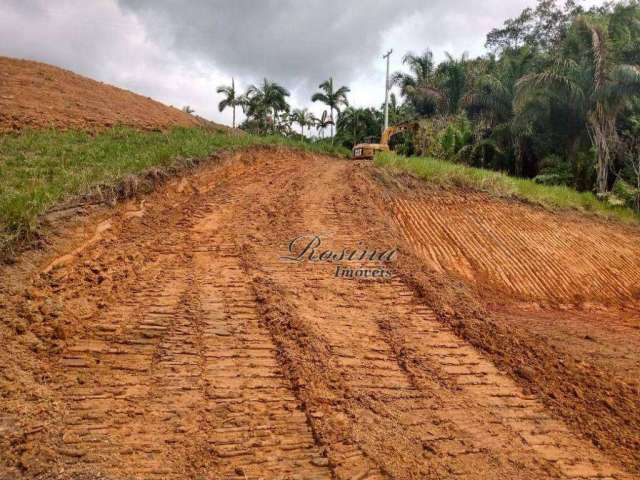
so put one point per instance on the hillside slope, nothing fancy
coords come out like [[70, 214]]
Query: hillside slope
[[37, 95]]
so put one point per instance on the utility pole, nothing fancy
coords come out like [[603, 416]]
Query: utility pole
[[386, 93]]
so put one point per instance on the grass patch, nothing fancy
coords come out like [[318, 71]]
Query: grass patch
[[448, 174], [40, 169]]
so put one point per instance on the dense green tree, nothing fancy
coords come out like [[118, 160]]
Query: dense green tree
[[597, 89], [542, 27], [356, 124], [419, 85]]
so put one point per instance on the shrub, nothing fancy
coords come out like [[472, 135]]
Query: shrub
[[554, 170]]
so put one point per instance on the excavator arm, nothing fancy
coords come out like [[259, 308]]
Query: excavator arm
[[395, 129], [368, 150]]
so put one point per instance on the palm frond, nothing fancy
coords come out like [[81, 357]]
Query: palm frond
[[223, 104], [320, 97], [626, 75], [549, 80]]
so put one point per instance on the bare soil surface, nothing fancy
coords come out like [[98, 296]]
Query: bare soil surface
[[76, 102], [526, 253], [169, 339]]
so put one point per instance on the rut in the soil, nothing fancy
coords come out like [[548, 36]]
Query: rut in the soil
[[386, 347], [191, 385], [222, 361]]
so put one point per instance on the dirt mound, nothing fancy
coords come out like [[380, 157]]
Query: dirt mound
[[37, 95], [176, 342]]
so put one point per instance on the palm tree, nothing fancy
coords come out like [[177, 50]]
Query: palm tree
[[231, 99], [452, 80], [349, 122], [490, 91], [323, 122], [594, 85], [490, 99], [356, 123], [419, 86], [302, 117], [331, 98], [269, 98]]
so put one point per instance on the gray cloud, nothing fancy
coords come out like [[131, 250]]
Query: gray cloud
[[287, 40]]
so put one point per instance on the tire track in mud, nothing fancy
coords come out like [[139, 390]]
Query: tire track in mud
[[254, 420], [113, 384], [181, 378], [384, 346], [255, 423], [503, 416], [532, 255], [398, 426]]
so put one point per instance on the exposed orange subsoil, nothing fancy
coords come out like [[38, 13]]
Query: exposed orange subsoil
[[550, 297], [75, 102], [526, 252], [169, 340]]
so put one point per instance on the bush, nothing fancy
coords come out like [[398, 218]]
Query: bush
[[457, 135], [627, 193], [554, 170]]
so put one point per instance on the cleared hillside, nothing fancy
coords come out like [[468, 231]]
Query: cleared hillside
[[37, 95]]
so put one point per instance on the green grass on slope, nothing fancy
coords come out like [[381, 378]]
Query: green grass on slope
[[39, 169], [448, 174]]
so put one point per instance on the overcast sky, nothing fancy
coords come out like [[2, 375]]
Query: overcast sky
[[179, 51]]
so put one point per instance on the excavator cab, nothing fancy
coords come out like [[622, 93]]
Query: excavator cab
[[366, 151]]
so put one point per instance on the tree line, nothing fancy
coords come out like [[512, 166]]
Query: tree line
[[557, 99], [267, 111]]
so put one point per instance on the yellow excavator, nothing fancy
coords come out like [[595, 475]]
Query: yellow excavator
[[366, 151]]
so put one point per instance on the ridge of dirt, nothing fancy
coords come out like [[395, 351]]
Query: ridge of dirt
[[596, 397], [76, 102], [598, 404], [178, 344]]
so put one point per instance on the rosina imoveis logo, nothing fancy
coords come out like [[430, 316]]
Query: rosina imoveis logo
[[361, 261]]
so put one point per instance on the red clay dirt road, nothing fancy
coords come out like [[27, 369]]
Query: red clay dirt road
[[169, 340]]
